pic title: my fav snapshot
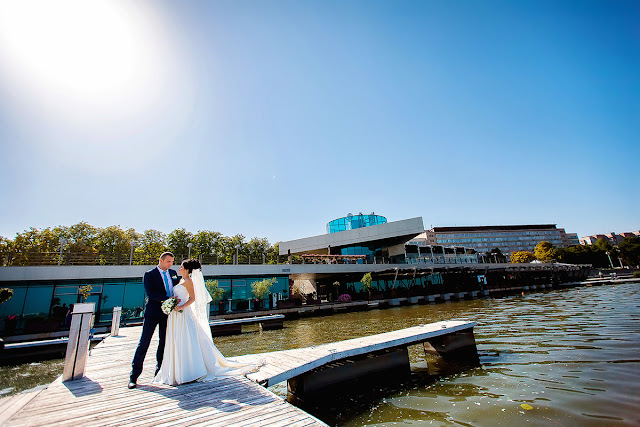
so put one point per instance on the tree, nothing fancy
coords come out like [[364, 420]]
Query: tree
[[522, 257], [206, 243], [602, 245], [273, 254], [366, 283], [217, 293], [113, 240], [81, 237], [230, 250], [545, 252], [261, 288], [226, 250], [257, 247], [630, 250], [85, 291], [178, 240], [6, 247], [152, 244]]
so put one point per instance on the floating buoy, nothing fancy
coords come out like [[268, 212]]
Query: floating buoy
[[527, 407]]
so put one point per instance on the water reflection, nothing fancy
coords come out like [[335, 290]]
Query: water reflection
[[573, 356]]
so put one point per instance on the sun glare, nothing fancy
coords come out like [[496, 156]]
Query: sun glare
[[82, 59]]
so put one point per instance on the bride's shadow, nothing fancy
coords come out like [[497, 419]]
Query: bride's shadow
[[226, 395]]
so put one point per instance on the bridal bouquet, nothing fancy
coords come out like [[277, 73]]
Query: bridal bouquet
[[169, 304]]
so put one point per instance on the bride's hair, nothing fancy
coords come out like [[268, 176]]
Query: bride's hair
[[191, 264]]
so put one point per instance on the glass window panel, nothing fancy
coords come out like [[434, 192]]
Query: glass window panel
[[38, 300], [65, 302], [133, 302], [225, 284], [281, 285], [66, 290], [15, 303], [112, 296], [239, 289]]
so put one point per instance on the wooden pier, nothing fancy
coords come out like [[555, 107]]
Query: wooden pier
[[101, 397]]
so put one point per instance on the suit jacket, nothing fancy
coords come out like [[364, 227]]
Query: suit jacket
[[154, 286]]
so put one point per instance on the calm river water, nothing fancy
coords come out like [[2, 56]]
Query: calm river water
[[561, 357]]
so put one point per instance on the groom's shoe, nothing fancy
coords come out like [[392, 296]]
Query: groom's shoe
[[132, 384]]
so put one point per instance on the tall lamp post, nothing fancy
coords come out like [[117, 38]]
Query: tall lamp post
[[237, 247], [133, 245], [63, 243], [189, 245]]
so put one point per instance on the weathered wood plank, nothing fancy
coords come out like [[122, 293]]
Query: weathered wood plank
[[101, 397]]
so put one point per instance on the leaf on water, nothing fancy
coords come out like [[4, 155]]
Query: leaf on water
[[527, 407]]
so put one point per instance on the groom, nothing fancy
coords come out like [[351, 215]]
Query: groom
[[158, 284]]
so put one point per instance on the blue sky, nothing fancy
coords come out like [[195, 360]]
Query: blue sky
[[270, 119]]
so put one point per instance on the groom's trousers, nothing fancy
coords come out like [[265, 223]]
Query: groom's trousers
[[153, 317]]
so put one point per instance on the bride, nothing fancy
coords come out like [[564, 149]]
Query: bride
[[189, 351]]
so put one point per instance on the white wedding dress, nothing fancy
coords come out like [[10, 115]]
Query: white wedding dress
[[189, 351]]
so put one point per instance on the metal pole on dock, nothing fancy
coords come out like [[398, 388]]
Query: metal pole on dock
[[78, 345]]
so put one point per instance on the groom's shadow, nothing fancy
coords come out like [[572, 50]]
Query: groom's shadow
[[226, 395]]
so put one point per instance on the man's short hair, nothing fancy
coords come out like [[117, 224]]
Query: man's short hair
[[166, 254]]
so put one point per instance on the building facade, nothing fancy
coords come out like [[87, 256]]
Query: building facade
[[612, 238], [42, 296], [369, 236], [508, 238]]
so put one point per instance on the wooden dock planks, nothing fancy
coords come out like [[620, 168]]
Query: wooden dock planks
[[285, 364], [102, 398]]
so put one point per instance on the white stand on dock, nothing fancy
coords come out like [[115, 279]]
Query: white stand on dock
[[115, 321], [78, 345]]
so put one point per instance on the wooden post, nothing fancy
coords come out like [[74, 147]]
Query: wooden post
[[78, 345], [115, 321]]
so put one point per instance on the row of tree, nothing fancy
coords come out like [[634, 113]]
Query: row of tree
[[601, 254], [83, 238]]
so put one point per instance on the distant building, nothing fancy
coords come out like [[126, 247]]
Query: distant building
[[508, 238], [612, 238], [369, 236]]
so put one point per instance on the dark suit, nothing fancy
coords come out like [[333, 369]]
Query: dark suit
[[153, 316]]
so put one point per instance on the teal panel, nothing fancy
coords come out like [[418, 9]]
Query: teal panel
[[38, 300], [15, 304], [239, 289]]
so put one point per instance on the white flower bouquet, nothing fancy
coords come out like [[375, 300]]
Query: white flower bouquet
[[169, 304]]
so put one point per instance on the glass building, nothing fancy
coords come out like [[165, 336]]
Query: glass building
[[351, 222], [40, 305]]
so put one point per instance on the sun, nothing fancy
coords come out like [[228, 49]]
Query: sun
[[81, 59]]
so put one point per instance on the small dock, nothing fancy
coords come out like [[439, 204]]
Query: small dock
[[101, 397]]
